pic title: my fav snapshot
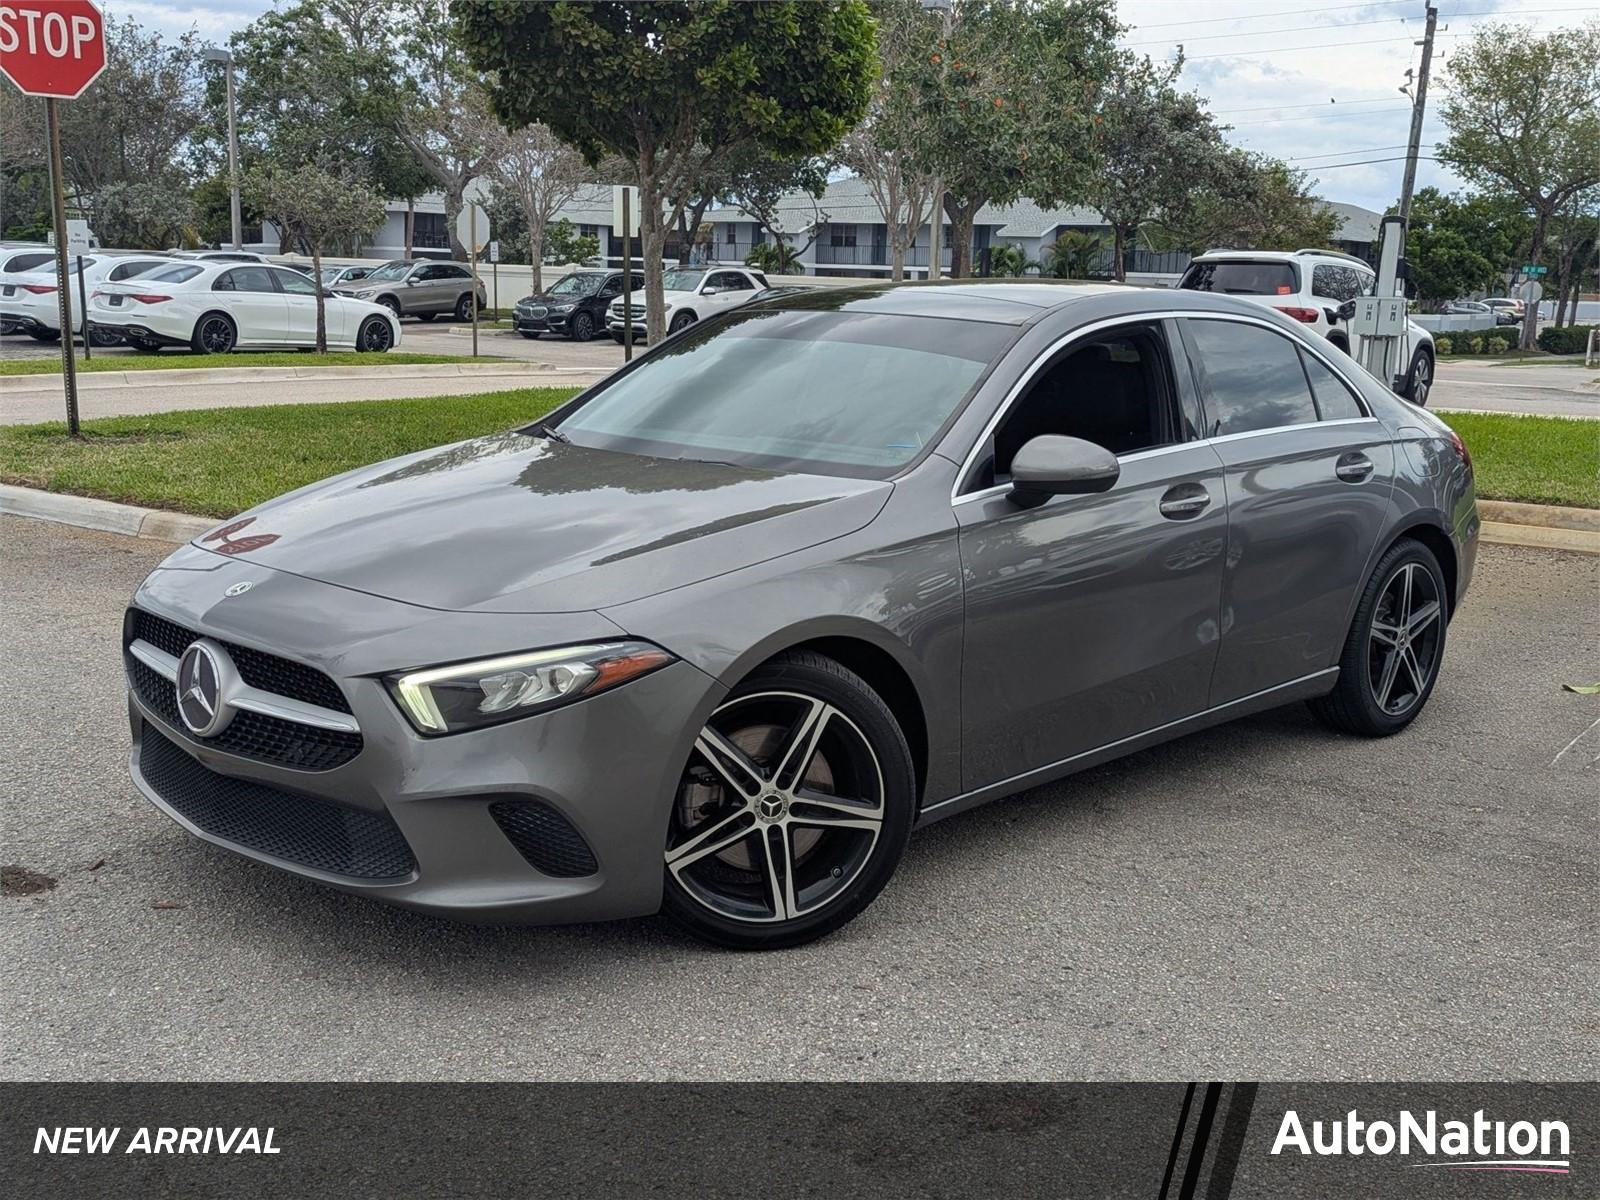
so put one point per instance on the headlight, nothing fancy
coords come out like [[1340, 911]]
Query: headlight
[[493, 690], [366, 294], [563, 308]]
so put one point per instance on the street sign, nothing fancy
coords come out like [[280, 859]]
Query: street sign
[[494, 252], [1530, 292], [472, 227], [1534, 269], [629, 225], [53, 48]]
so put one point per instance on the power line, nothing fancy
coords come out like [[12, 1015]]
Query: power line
[[1365, 161], [1294, 12], [1359, 112], [1328, 103], [1352, 150]]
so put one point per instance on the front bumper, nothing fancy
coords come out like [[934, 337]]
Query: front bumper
[[607, 767], [524, 321]]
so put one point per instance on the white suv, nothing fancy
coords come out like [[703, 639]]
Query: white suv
[[691, 294], [1311, 286]]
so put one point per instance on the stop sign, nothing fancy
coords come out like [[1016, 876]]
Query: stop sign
[[52, 47]]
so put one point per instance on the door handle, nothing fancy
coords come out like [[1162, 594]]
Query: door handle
[[1354, 468], [1185, 501]]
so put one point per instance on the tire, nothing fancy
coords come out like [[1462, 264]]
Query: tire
[[737, 817], [425, 317], [1419, 380], [393, 306], [581, 327], [619, 337], [464, 308], [214, 333], [681, 321], [1374, 698], [375, 336], [99, 340], [1339, 344], [44, 335]]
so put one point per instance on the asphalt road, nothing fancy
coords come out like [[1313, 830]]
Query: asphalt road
[[1266, 900]]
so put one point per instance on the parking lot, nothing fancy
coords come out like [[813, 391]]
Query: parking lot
[[1266, 900]]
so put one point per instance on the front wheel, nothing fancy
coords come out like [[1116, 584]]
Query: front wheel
[[682, 321], [376, 336], [793, 810], [1420, 381], [581, 327], [214, 334], [1395, 646]]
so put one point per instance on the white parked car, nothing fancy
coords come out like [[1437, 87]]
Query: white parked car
[[1310, 286], [692, 294], [215, 307], [219, 255], [29, 300]]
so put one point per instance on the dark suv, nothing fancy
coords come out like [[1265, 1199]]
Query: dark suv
[[575, 305]]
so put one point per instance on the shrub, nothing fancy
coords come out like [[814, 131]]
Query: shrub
[[775, 258], [1444, 345], [1564, 339], [1497, 342], [1474, 345]]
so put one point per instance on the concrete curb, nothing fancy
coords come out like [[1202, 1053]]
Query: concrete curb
[[201, 376], [87, 513], [1503, 524]]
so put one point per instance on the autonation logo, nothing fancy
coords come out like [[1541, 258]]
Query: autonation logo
[[1476, 1145]]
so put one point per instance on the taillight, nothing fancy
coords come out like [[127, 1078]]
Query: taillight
[[39, 289], [1308, 315], [148, 298], [1462, 452]]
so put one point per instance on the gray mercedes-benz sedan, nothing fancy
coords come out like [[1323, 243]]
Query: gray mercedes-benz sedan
[[716, 634]]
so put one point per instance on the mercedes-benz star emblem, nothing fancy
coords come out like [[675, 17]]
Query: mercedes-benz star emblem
[[239, 589], [202, 673]]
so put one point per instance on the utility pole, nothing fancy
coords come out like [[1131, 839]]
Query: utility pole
[[1418, 111], [946, 12], [226, 59]]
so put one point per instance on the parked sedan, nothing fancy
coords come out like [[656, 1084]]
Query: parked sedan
[[215, 307], [333, 276], [575, 305], [719, 632], [424, 290], [690, 294], [1477, 308], [30, 301]]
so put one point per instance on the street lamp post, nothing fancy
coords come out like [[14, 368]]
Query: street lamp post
[[945, 9], [226, 59]]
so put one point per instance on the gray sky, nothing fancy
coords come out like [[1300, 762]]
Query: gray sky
[[1268, 67]]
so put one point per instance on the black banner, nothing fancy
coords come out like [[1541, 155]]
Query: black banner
[[1180, 1141]]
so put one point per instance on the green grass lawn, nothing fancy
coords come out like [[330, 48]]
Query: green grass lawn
[[215, 462], [183, 360], [1537, 460]]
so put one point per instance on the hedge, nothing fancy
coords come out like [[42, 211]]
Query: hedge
[[1565, 339]]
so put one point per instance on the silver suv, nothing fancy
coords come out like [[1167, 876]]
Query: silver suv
[[423, 290], [1312, 286]]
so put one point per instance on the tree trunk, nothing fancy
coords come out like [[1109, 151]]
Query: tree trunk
[[962, 217], [1530, 319], [696, 213], [411, 225], [896, 231], [530, 214], [683, 239], [653, 243], [453, 202], [322, 312], [1119, 270]]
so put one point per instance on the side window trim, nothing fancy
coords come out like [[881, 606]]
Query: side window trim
[[1199, 375]]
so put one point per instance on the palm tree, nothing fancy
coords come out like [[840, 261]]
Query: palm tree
[[1073, 254]]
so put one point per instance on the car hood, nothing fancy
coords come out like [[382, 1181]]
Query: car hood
[[518, 523]]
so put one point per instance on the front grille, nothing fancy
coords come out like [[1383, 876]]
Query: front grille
[[298, 829], [544, 837], [249, 734], [281, 676]]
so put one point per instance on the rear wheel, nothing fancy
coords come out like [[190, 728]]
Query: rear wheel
[[99, 337], [682, 321], [214, 333], [375, 336], [1395, 646], [44, 335], [1420, 380], [793, 810]]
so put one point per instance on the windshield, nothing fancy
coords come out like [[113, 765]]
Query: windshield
[[177, 275], [1242, 278], [680, 280], [332, 274], [824, 392], [389, 271], [578, 285]]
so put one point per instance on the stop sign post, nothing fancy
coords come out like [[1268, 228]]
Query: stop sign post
[[55, 49]]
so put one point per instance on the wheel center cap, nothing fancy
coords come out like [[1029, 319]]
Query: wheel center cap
[[771, 807]]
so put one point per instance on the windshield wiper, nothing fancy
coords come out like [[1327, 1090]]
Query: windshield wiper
[[555, 435]]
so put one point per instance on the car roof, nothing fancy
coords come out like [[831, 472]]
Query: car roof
[[1007, 301]]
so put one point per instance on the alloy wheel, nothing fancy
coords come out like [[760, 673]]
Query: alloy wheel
[[1403, 642], [582, 327], [1421, 380], [216, 335], [376, 336], [778, 810]]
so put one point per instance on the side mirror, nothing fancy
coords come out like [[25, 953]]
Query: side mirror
[[1051, 465], [710, 291]]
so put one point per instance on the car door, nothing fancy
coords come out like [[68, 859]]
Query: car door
[[733, 288], [300, 300], [1308, 473], [1091, 618], [251, 297]]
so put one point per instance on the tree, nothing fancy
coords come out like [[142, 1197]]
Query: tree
[[1523, 115], [564, 244], [674, 89], [758, 182], [149, 215], [1457, 245], [1251, 202], [882, 149], [323, 207], [1009, 98], [1160, 149], [1073, 254], [542, 172]]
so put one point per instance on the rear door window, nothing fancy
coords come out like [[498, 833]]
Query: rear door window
[[1242, 278], [247, 279], [1335, 401], [1251, 377]]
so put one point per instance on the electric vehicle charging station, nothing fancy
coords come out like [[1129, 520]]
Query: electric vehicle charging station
[[1380, 319]]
